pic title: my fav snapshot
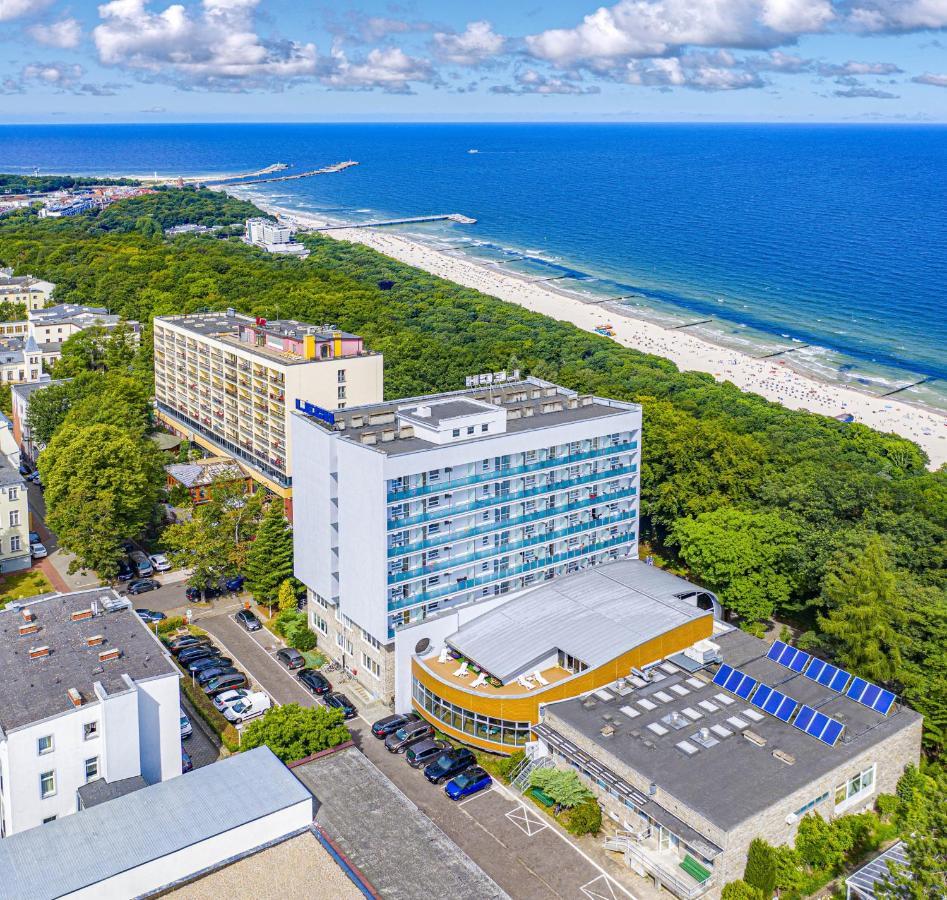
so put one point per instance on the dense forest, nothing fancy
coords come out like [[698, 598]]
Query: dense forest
[[33, 184], [174, 206], [833, 529]]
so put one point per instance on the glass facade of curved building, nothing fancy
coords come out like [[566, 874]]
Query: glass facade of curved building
[[500, 731]]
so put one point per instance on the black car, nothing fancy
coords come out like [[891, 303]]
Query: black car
[[187, 642], [213, 672], [248, 620], [195, 595], [383, 727], [449, 764], [340, 701], [405, 735], [291, 658], [143, 585], [423, 752], [150, 615], [197, 652], [208, 662], [125, 571], [314, 682]]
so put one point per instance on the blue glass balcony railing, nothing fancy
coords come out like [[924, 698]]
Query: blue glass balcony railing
[[448, 511], [438, 487], [469, 584], [454, 537], [546, 537]]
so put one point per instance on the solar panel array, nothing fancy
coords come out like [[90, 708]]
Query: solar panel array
[[735, 681], [819, 725], [774, 702], [859, 690]]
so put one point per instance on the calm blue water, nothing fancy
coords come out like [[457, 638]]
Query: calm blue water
[[834, 237]]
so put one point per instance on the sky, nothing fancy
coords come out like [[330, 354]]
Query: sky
[[493, 60]]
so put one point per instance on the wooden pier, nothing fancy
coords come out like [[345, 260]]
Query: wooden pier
[[325, 170], [908, 386], [449, 217]]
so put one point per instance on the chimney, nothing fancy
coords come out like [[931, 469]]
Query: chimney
[[785, 757], [75, 697], [112, 653], [95, 640], [28, 615], [754, 738], [423, 412], [38, 652], [80, 614], [29, 628]]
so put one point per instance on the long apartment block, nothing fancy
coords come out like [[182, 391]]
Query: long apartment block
[[408, 508], [229, 381]]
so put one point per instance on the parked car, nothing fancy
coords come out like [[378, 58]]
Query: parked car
[[34, 477], [209, 674], [314, 682], [383, 727], [468, 782], [234, 584], [249, 707], [128, 546], [186, 729], [208, 662], [186, 642], [248, 620], [222, 701], [199, 651], [143, 585], [449, 764], [25, 470], [186, 764], [38, 549], [150, 615], [406, 735], [426, 751], [291, 658], [225, 683], [125, 571], [160, 562], [35, 538], [196, 595], [340, 701], [141, 564]]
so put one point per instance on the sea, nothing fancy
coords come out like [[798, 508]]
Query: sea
[[822, 246]]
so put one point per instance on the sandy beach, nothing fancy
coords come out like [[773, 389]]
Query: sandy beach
[[767, 378]]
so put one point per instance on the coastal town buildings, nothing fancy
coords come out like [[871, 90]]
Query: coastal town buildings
[[697, 754], [87, 693], [14, 519], [273, 237], [411, 507], [228, 382], [33, 293], [20, 395], [21, 360], [199, 476]]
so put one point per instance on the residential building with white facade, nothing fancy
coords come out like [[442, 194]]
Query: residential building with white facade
[[21, 360], [87, 692], [407, 508], [229, 382], [33, 293], [20, 395], [14, 520], [274, 237]]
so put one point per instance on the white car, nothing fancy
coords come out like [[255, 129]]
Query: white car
[[160, 562], [248, 707], [186, 729], [38, 550], [228, 698]]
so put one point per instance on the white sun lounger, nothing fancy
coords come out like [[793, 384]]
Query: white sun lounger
[[481, 679], [462, 672], [445, 655], [540, 678], [525, 682]]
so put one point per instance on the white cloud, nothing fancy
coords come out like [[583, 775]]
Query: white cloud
[[857, 92], [532, 82], [65, 34], [59, 77], [931, 79], [898, 15], [859, 68], [718, 71], [215, 45], [15, 9], [476, 44], [778, 61], [55, 74], [389, 69]]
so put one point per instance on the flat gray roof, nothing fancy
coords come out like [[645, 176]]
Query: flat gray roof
[[35, 689], [444, 410], [24, 390], [733, 780], [397, 848], [81, 850], [595, 615], [101, 791]]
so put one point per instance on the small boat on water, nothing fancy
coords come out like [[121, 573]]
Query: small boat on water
[[473, 151]]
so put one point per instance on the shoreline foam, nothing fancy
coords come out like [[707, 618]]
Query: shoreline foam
[[773, 380]]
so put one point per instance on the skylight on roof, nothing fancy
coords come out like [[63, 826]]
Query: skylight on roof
[[646, 704], [707, 706], [657, 728], [680, 690], [630, 711], [663, 696], [687, 747], [695, 683]]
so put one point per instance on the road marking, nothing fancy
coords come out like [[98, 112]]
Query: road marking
[[601, 888], [475, 796], [528, 823]]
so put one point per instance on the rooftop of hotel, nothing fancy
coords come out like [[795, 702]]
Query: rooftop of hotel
[[656, 729], [204, 471], [595, 616], [33, 689], [530, 404], [75, 313]]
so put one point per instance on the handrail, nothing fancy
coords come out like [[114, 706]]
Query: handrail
[[669, 879]]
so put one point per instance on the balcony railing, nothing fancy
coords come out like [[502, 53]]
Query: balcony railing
[[449, 511], [677, 884], [456, 562], [467, 533], [437, 487], [468, 584]]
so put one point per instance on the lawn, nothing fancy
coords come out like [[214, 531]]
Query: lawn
[[20, 585]]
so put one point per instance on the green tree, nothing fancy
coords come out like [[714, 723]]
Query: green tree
[[48, 409], [584, 818], [744, 556], [563, 785], [270, 559], [12, 312], [740, 890], [286, 596], [760, 869], [790, 876], [294, 732], [822, 845], [865, 617], [102, 485]]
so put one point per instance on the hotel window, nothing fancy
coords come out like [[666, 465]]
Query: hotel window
[[341, 391], [91, 769], [12, 494], [455, 432], [14, 543], [470, 429], [49, 819], [320, 623], [571, 663], [90, 730], [371, 641], [811, 804], [47, 785], [484, 428], [371, 665], [14, 517], [341, 375], [860, 785], [44, 745]]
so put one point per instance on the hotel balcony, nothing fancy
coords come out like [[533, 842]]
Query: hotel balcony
[[446, 672]]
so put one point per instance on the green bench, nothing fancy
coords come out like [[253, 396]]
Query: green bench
[[542, 797], [695, 869]]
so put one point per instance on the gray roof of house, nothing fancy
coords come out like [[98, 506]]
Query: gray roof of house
[[594, 615], [24, 390], [35, 689], [9, 475], [83, 849], [444, 410], [734, 780], [875, 873], [101, 791], [386, 836]]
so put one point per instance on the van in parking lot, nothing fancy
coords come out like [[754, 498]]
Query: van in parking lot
[[141, 563]]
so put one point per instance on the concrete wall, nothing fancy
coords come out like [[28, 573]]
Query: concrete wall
[[159, 728]]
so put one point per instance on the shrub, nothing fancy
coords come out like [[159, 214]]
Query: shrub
[[740, 890], [301, 637], [173, 623], [562, 785], [887, 806], [287, 620], [294, 732], [507, 765], [760, 869], [584, 818]]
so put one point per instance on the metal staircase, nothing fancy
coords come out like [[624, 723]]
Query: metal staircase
[[519, 778]]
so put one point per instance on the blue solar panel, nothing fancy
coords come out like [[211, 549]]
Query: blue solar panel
[[787, 656], [817, 725], [762, 695], [804, 718], [832, 733], [815, 669], [786, 709], [736, 676], [723, 673], [776, 650], [883, 703], [773, 702], [827, 674], [745, 687], [839, 680], [856, 689], [798, 662], [870, 695]]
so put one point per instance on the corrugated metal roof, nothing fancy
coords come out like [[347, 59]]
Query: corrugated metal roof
[[595, 615], [875, 874], [85, 848]]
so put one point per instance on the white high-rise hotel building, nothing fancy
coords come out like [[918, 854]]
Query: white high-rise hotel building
[[409, 507]]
